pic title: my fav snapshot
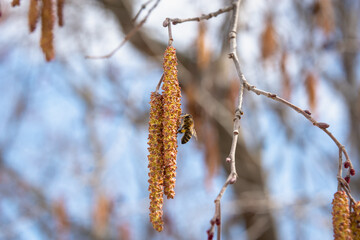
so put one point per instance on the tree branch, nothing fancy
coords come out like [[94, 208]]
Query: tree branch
[[128, 36], [231, 179], [203, 17]]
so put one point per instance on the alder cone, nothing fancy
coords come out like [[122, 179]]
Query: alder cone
[[172, 112], [156, 162], [341, 216]]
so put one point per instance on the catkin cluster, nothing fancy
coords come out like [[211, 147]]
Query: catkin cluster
[[165, 114], [341, 216], [45, 10]]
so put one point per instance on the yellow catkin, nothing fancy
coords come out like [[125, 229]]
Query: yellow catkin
[[33, 15], [15, 3], [156, 161], [355, 221], [341, 216], [172, 112], [60, 8], [47, 28]]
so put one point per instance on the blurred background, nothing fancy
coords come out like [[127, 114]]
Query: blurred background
[[73, 132]]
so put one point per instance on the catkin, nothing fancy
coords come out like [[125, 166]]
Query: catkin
[[47, 28], [60, 14], [15, 3], [172, 112], [156, 161], [33, 15], [355, 221], [341, 216]]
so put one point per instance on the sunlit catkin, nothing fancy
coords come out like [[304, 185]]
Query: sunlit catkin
[[341, 216], [34, 14], [47, 28], [355, 221], [172, 112], [156, 161]]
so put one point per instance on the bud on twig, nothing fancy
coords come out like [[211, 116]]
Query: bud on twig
[[346, 164], [323, 125]]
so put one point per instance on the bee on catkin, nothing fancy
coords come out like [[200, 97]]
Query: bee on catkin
[[187, 128]]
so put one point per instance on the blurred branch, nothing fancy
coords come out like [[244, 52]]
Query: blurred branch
[[129, 35], [40, 206], [143, 6]]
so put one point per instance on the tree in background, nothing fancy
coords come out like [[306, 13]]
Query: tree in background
[[64, 122]]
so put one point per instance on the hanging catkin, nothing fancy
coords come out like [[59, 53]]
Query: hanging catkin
[[33, 15], [60, 14], [355, 221], [47, 28], [156, 161], [172, 112], [341, 216]]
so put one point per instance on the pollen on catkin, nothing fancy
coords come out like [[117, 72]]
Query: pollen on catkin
[[355, 221], [156, 161], [47, 29], [172, 112], [341, 216], [34, 14]]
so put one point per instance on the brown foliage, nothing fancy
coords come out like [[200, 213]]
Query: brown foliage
[[47, 30]]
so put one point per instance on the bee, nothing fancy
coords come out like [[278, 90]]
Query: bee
[[187, 127]]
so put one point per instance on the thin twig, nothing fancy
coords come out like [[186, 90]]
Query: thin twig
[[231, 179], [167, 24], [305, 113], [345, 186], [158, 85], [339, 174], [143, 6], [203, 17], [128, 36]]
